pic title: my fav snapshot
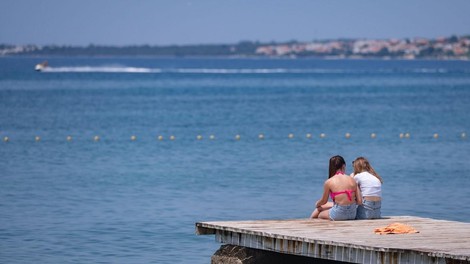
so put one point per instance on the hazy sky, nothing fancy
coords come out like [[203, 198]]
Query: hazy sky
[[163, 22]]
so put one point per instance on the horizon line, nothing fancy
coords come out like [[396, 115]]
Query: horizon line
[[467, 35]]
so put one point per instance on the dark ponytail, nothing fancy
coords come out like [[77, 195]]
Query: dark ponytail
[[336, 163]]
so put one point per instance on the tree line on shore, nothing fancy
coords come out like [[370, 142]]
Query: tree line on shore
[[450, 47]]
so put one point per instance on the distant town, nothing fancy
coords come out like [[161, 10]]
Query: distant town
[[453, 47]]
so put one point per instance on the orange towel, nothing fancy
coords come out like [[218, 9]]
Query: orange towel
[[396, 228]]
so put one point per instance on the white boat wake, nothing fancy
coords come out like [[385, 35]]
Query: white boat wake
[[104, 69], [125, 69]]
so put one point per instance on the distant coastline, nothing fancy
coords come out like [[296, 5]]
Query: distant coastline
[[450, 48]]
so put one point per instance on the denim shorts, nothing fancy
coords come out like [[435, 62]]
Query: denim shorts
[[369, 210], [343, 212]]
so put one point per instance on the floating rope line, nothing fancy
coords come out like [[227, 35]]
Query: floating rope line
[[405, 135], [238, 137]]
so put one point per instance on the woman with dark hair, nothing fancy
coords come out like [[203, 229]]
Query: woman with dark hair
[[343, 191], [370, 185]]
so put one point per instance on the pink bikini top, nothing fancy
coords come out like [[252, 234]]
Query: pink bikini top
[[347, 192]]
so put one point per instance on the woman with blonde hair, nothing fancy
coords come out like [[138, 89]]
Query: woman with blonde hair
[[343, 191], [370, 185]]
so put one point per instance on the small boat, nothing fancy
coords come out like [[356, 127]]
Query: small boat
[[41, 66]]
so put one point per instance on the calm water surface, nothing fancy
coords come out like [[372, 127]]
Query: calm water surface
[[123, 201]]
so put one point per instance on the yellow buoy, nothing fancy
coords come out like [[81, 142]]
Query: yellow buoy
[[211, 137], [322, 135], [172, 137], [435, 135], [160, 138], [291, 135], [308, 135], [96, 138], [133, 138], [69, 138], [237, 137], [199, 137], [347, 135], [373, 135], [6, 139], [37, 138], [261, 136]]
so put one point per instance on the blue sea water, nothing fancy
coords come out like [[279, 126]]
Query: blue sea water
[[119, 200]]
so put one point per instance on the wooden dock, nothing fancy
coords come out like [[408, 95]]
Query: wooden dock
[[438, 241]]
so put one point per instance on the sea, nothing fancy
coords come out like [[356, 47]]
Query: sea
[[114, 159]]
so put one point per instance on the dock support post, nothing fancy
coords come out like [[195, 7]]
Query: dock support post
[[231, 254]]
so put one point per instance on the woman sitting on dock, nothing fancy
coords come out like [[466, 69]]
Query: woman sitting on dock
[[344, 193], [370, 185]]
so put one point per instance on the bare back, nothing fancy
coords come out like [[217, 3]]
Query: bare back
[[341, 183]]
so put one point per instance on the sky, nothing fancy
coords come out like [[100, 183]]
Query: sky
[[178, 22]]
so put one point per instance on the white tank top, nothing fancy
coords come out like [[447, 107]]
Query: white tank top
[[369, 184]]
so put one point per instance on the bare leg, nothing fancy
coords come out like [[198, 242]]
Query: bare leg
[[320, 209], [315, 213], [325, 214]]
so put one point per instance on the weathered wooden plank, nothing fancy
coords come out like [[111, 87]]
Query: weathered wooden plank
[[200, 230], [352, 241]]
